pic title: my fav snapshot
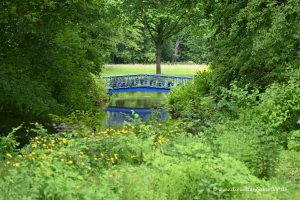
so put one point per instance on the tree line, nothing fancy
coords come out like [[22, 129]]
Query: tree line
[[50, 51]]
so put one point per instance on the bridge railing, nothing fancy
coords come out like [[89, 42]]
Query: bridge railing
[[146, 80]]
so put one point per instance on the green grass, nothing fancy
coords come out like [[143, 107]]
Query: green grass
[[168, 69]]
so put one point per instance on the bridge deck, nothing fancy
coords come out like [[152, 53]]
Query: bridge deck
[[144, 83]]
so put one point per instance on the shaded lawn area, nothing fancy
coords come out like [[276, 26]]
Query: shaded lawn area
[[168, 69]]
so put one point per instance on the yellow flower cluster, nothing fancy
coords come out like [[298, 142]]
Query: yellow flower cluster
[[11, 161], [8, 155], [124, 131], [57, 147], [161, 140], [113, 159], [47, 143], [111, 132]]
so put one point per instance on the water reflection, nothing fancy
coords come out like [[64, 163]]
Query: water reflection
[[120, 115], [146, 105]]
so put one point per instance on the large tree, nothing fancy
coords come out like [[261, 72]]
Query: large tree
[[253, 42], [48, 50], [163, 19]]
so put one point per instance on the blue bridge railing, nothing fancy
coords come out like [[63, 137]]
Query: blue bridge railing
[[144, 82]]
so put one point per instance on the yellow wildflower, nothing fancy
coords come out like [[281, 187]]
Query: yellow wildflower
[[112, 160], [17, 164], [161, 140], [8, 155], [37, 138], [64, 141], [70, 162], [116, 156]]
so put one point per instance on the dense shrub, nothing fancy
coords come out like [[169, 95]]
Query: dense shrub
[[262, 127], [192, 103], [48, 51], [248, 142], [252, 127], [289, 166], [134, 162], [253, 42], [280, 109]]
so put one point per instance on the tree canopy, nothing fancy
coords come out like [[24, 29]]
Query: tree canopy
[[48, 50], [163, 19], [253, 42]]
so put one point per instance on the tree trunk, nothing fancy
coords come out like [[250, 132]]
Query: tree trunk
[[176, 50], [158, 57]]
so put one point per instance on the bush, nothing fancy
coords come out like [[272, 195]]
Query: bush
[[256, 127], [248, 142], [134, 162], [280, 109], [294, 141], [184, 168], [289, 166], [58, 46], [192, 103]]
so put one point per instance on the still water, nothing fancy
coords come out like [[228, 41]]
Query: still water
[[122, 106]]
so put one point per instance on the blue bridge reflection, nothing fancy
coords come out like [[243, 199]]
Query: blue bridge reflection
[[144, 83], [120, 115]]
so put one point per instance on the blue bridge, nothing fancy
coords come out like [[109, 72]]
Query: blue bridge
[[144, 83]]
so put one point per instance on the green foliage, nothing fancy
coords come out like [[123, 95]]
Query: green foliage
[[294, 141], [170, 178], [248, 142], [135, 46], [192, 104], [280, 109], [253, 41], [243, 112], [263, 127], [162, 19], [249, 126], [8, 144], [78, 119], [289, 166], [48, 52], [195, 43], [135, 162]]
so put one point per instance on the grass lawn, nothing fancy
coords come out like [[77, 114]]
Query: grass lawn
[[168, 69]]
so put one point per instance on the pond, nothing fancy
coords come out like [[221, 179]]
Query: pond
[[123, 106]]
